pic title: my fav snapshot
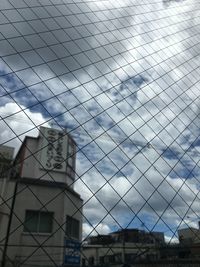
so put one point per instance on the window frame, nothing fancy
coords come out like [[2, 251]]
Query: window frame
[[39, 214], [71, 229]]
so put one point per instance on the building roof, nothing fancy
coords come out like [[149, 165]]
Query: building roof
[[188, 229], [125, 230]]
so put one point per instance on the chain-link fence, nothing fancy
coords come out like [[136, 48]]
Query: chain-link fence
[[99, 106]]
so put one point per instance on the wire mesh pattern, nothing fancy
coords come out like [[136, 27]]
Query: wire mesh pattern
[[120, 81]]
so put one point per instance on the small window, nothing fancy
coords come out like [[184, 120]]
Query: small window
[[38, 221], [72, 227]]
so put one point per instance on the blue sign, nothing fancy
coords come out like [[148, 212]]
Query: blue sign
[[72, 252]]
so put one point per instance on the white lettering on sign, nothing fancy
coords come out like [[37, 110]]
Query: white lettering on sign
[[54, 149]]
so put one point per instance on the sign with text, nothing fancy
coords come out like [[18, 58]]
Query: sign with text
[[54, 149], [72, 253]]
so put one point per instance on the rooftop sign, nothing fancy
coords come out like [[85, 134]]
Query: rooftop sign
[[54, 149]]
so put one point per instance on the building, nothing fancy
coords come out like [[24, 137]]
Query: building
[[122, 247], [6, 160], [189, 235], [138, 236], [6, 157], [188, 247], [190, 239], [41, 213]]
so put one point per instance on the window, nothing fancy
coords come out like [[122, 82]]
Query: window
[[72, 227], [38, 221]]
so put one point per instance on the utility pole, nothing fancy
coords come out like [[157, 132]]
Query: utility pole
[[4, 254]]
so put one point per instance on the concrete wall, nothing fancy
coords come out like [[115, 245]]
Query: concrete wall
[[32, 167], [24, 245], [118, 249], [189, 235]]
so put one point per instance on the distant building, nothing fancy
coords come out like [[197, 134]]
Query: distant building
[[122, 247], [189, 236], [174, 252], [138, 236], [46, 209], [190, 239], [100, 240]]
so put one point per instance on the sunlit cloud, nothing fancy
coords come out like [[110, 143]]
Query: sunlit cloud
[[122, 77]]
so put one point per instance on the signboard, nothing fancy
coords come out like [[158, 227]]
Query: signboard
[[54, 149], [72, 253]]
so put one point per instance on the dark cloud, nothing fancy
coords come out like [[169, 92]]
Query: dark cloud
[[63, 36], [95, 58]]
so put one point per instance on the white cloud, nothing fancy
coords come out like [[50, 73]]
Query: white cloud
[[107, 105], [17, 122], [172, 240], [99, 229]]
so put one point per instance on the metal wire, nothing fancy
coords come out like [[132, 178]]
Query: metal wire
[[95, 69]]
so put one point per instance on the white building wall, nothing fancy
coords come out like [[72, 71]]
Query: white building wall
[[189, 235], [36, 192], [33, 197]]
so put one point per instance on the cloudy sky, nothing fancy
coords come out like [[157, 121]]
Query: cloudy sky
[[123, 78]]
